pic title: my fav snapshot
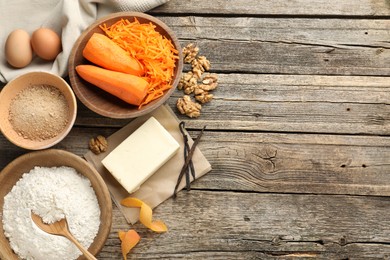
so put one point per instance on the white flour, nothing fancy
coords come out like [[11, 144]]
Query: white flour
[[51, 193]]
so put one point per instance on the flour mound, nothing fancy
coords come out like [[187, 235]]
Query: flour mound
[[52, 193]]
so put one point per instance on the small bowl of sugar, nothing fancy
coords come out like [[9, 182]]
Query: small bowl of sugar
[[38, 109]]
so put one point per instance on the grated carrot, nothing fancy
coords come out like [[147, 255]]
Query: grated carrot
[[156, 53]]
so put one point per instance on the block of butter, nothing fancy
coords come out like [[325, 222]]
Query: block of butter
[[141, 154]]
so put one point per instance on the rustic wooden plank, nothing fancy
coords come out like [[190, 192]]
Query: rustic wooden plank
[[274, 224], [256, 225], [339, 33], [286, 103], [290, 163], [278, 163], [294, 103], [289, 46], [294, 58], [278, 7], [86, 117]]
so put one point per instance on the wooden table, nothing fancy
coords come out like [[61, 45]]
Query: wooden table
[[298, 134]]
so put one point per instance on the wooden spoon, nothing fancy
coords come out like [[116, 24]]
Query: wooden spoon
[[60, 228]]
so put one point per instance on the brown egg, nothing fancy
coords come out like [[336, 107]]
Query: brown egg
[[18, 50], [46, 43]]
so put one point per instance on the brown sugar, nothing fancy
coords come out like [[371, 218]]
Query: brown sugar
[[39, 112]]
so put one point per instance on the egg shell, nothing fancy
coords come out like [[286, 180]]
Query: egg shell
[[46, 43], [18, 51]]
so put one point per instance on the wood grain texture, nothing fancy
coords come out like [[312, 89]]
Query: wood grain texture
[[277, 163], [256, 226], [285, 163], [291, 103], [278, 7], [286, 103], [289, 46], [297, 135], [336, 32]]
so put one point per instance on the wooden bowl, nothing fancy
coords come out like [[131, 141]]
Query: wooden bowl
[[14, 87], [102, 102], [50, 158]]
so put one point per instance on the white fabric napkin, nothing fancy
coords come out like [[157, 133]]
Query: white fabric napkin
[[66, 17]]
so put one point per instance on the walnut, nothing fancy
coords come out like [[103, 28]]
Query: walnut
[[200, 65], [209, 82], [196, 82], [188, 107], [190, 52], [203, 96], [98, 144], [188, 83]]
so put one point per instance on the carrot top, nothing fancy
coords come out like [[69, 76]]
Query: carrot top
[[154, 51]]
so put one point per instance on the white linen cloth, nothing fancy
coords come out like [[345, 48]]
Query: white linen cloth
[[66, 17]]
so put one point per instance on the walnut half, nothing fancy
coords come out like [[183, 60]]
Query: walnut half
[[200, 65], [209, 82], [201, 92], [203, 96], [98, 144], [188, 107], [188, 83], [190, 52]]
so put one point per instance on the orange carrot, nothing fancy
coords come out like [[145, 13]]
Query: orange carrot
[[157, 53], [131, 89], [102, 51], [129, 240]]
